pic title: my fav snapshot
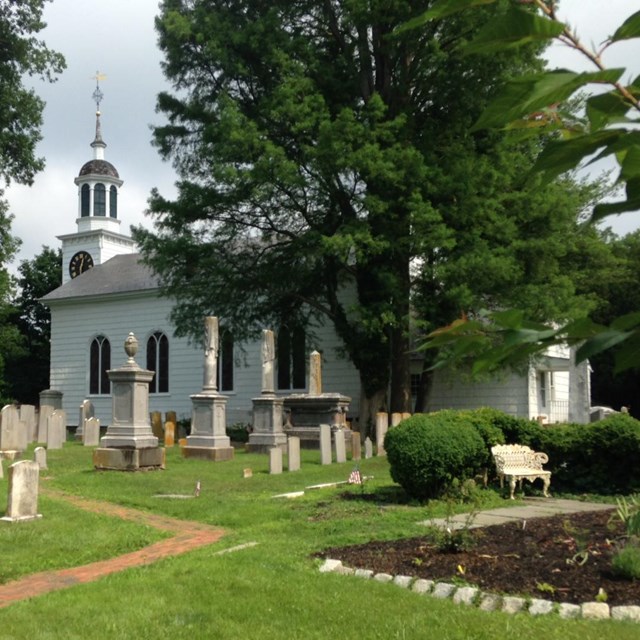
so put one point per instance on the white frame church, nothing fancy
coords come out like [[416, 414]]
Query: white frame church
[[107, 293]]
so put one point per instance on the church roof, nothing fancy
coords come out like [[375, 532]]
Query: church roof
[[120, 274], [98, 167]]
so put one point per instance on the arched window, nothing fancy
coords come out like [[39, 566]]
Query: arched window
[[85, 204], [99, 364], [158, 361], [99, 200], [113, 202], [291, 361], [225, 362]]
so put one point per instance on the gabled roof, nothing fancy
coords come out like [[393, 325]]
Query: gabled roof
[[121, 274]]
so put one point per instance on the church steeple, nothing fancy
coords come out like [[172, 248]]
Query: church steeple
[[98, 181], [98, 237]]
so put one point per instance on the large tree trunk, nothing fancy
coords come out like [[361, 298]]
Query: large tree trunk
[[369, 406]]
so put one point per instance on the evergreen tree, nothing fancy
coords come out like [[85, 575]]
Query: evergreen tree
[[327, 163]]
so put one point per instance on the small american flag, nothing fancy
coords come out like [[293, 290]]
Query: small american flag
[[355, 477]]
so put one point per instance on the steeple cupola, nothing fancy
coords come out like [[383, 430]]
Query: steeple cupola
[[98, 183]]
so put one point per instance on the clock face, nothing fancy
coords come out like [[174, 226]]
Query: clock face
[[80, 262]]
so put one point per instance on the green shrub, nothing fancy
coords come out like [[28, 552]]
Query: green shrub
[[601, 457], [238, 432], [484, 422], [626, 562], [427, 451]]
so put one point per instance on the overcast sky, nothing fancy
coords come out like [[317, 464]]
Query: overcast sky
[[118, 39]]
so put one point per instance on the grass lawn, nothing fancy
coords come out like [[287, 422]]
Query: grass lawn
[[268, 591]]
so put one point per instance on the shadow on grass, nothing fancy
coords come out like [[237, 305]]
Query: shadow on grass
[[389, 494]]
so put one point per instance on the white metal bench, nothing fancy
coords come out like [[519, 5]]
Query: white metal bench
[[517, 463]]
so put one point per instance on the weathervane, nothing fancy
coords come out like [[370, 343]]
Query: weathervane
[[97, 94]]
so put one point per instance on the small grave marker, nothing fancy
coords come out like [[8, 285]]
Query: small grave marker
[[22, 500]]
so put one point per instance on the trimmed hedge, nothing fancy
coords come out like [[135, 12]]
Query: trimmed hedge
[[427, 451]]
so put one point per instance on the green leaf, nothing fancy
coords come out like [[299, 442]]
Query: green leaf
[[605, 209], [628, 356], [607, 108], [626, 322], [630, 28], [516, 27], [564, 155], [630, 165], [529, 94], [604, 340], [439, 10]]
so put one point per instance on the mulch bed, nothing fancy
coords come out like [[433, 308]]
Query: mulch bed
[[541, 560]]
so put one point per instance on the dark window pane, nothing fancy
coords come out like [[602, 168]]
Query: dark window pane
[[151, 362], [163, 364], [99, 200], [94, 367], [284, 359], [105, 366], [85, 201], [113, 202]]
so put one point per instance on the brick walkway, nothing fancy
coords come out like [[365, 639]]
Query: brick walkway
[[187, 536]]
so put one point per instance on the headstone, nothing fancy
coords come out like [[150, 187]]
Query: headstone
[[341, 453], [169, 434], [315, 374], [56, 430], [275, 460], [91, 432], [382, 424], [396, 419], [171, 416], [40, 456], [368, 448], [356, 447], [406, 415], [28, 416], [208, 439], [50, 400], [156, 424], [247, 473], [325, 444], [85, 412], [13, 432], [293, 454], [1, 471], [22, 501]]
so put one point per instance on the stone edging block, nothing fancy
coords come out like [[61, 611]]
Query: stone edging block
[[472, 596]]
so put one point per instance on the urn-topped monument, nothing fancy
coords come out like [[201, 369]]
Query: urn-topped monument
[[129, 443]]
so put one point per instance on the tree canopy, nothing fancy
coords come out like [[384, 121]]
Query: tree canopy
[[329, 173]]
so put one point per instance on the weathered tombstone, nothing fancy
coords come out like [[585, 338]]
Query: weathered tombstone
[[406, 415], [85, 412], [208, 439], [247, 473], [382, 424], [1, 471], [315, 374], [169, 434], [40, 456], [172, 417], [28, 416], [50, 400], [368, 448], [91, 432], [268, 408], [293, 454], [325, 444], [56, 430], [275, 460], [338, 439], [22, 501], [396, 419], [156, 424], [13, 432], [356, 448]]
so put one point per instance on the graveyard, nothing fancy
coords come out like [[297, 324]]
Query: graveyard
[[257, 577]]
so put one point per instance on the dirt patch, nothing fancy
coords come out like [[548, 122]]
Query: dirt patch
[[565, 558]]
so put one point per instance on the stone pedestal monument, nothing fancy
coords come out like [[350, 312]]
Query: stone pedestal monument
[[208, 439], [306, 412], [129, 443], [268, 408]]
